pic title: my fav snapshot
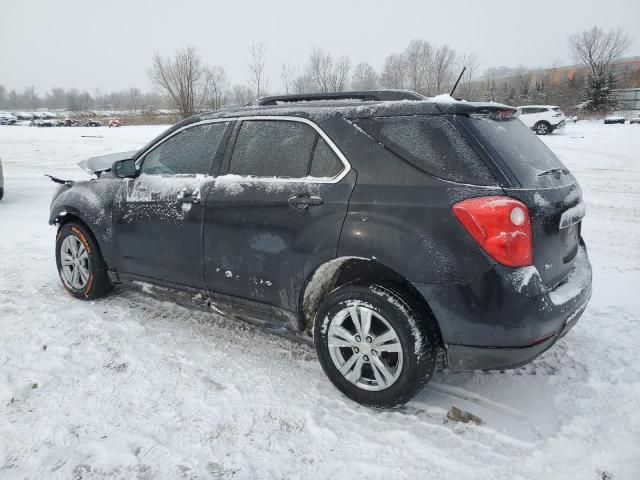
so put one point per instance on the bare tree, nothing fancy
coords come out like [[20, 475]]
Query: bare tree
[[597, 51], [364, 77], [30, 98], [217, 86], [319, 68], [328, 74], [181, 79], [257, 60], [394, 71], [419, 58], [303, 84], [443, 60], [134, 99], [3, 96], [286, 75], [339, 74], [471, 62], [240, 95]]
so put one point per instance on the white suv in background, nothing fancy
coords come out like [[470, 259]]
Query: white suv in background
[[542, 119]]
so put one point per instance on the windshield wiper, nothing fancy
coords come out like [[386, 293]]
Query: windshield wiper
[[554, 171]]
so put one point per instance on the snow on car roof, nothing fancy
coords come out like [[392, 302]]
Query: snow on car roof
[[538, 106]]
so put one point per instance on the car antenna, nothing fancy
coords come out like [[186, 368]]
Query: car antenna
[[455, 85]]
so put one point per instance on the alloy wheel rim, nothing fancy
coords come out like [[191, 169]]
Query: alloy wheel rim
[[365, 348], [74, 261], [542, 128]]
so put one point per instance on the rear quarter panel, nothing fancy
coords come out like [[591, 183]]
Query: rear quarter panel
[[402, 217]]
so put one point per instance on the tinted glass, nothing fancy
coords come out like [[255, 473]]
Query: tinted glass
[[272, 148], [189, 152], [520, 149], [432, 144], [325, 162]]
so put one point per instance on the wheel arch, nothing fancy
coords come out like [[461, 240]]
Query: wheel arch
[[347, 270], [69, 215]]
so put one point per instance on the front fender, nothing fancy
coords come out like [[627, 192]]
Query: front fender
[[92, 202]]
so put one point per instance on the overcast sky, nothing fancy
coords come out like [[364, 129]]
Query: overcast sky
[[108, 44]]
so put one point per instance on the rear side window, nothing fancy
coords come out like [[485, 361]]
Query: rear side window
[[272, 148], [431, 143], [520, 149], [189, 152], [325, 163]]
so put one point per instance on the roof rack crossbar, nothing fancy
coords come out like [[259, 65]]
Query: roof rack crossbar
[[370, 95]]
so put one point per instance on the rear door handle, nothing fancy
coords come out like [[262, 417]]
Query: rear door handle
[[303, 202]]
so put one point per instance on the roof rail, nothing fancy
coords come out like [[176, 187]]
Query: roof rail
[[365, 96]]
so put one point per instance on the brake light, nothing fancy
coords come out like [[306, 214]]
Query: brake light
[[501, 226]]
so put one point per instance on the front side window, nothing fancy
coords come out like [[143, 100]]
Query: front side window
[[189, 152], [273, 148]]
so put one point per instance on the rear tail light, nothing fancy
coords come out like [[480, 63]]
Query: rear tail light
[[501, 226]]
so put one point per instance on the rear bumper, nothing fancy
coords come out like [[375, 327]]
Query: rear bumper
[[465, 357], [497, 323]]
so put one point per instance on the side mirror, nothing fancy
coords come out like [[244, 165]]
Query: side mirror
[[124, 168]]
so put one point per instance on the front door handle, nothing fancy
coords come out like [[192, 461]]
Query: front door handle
[[303, 202], [187, 198]]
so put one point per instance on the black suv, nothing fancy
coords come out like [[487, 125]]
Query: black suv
[[394, 234]]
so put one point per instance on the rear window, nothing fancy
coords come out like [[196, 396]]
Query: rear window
[[520, 149], [431, 143]]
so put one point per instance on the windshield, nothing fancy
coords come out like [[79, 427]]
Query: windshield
[[528, 158]]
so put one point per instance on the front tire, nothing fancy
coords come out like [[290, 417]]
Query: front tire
[[81, 267], [542, 128], [372, 346]]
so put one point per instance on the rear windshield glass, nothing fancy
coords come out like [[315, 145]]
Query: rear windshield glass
[[528, 158], [431, 143]]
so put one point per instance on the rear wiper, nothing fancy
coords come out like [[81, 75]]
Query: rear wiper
[[554, 171]]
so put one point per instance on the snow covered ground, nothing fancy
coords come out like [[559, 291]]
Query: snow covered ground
[[132, 387]]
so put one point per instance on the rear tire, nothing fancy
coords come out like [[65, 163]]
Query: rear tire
[[382, 358], [81, 267], [542, 128], [1, 192]]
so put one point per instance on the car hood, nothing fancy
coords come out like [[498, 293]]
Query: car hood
[[102, 163]]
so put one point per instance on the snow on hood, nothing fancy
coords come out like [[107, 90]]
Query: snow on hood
[[103, 163]]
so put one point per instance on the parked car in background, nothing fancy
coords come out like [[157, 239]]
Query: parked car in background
[[635, 120], [542, 119], [7, 119], [388, 233], [1, 181], [614, 119]]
